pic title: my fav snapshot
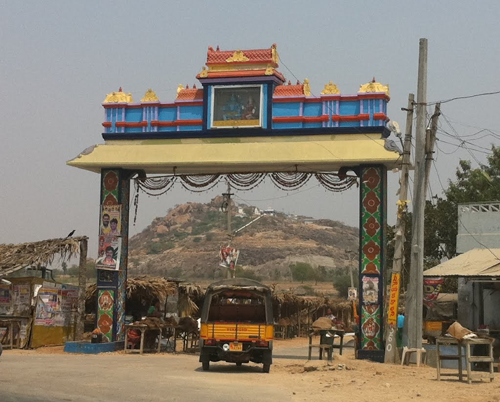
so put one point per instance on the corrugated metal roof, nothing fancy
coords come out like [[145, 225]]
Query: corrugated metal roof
[[476, 262]]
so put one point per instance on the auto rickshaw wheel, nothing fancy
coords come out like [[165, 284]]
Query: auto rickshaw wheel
[[205, 365], [266, 368]]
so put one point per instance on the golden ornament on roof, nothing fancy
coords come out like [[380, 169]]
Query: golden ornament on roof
[[269, 70], [274, 53], [330, 89], [307, 88], [118, 97], [237, 56], [150, 96], [374, 87], [204, 72], [180, 88]]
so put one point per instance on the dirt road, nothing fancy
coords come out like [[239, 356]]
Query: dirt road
[[51, 375]]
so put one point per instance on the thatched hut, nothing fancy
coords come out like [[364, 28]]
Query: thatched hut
[[296, 313]]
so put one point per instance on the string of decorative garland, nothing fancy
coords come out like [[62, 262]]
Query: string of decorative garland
[[198, 184], [159, 185], [246, 181], [290, 181], [332, 182]]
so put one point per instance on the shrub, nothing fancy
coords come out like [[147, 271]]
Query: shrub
[[342, 283]]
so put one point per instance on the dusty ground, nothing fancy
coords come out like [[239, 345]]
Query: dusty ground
[[344, 379]]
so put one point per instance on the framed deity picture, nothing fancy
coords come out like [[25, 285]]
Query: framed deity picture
[[236, 106]]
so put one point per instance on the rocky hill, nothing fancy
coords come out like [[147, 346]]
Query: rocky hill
[[186, 243]]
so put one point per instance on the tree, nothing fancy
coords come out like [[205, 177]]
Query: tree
[[64, 267], [342, 283], [441, 216], [302, 271]]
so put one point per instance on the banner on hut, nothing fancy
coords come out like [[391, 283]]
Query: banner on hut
[[432, 288]]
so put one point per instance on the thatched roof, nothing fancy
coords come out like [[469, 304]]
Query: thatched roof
[[14, 257], [310, 302], [191, 289], [143, 286]]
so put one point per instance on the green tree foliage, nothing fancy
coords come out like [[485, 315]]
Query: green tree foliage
[[342, 282], [441, 216], [302, 271]]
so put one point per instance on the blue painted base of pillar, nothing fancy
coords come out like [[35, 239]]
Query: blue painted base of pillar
[[373, 355], [93, 348]]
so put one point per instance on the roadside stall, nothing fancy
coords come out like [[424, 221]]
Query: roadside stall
[[151, 313], [36, 311]]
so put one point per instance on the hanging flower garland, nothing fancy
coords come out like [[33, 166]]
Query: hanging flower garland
[[246, 181], [332, 182], [198, 184], [290, 181]]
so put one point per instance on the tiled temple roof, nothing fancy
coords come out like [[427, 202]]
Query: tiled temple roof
[[189, 94], [241, 63], [289, 90]]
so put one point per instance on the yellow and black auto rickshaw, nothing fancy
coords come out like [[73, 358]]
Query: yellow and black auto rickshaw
[[237, 323]]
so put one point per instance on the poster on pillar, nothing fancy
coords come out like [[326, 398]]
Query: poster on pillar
[[109, 253], [370, 289], [111, 224]]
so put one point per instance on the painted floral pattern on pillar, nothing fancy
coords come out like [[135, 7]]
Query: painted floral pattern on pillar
[[372, 215], [370, 327], [371, 221], [105, 301], [110, 181]]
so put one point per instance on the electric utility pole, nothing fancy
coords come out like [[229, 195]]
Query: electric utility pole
[[414, 301], [227, 203], [227, 198], [429, 143], [391, 356]]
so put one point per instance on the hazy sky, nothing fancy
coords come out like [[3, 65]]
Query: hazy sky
[[59, 59]]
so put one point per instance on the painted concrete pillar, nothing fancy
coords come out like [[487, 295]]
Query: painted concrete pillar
[[373, 210], [112, 258]]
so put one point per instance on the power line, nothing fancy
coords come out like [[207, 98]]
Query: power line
[[464, 97]]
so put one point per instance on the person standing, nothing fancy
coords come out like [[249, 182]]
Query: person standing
[[399, 333]]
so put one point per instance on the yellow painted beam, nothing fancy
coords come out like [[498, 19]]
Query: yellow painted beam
[[238, 155]]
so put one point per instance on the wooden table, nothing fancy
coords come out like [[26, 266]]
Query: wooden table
[[327, 347], [165, 331], [469, 358]]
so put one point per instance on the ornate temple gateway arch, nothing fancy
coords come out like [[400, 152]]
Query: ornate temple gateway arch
[[245, 122]]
